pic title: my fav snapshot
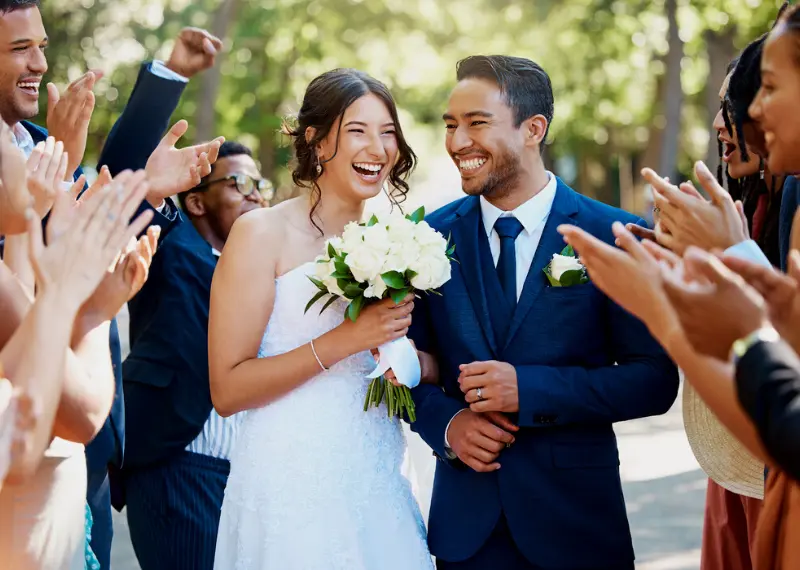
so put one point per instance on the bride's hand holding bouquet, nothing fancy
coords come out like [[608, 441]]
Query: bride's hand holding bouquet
[[378, 266]]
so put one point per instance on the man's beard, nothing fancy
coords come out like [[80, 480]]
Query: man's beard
[[502, 180]]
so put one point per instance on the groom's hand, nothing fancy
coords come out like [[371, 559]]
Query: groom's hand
[[490, 386], [478, 439]]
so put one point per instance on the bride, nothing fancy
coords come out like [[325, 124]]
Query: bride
[[315, 482]]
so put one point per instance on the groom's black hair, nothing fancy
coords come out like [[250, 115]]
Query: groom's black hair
[[524, 84], [7, 6]]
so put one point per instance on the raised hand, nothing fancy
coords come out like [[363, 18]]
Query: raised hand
[[195, 51], [477, 439], [171, 170], [69, 114], [45, 171], [123, 282], [89, 239], [686, 219]]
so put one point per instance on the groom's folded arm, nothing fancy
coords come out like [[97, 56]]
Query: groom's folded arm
[[644, 382]]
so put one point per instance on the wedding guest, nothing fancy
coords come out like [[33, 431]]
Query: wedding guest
[[178, 448], [131, 142], [41, 519]]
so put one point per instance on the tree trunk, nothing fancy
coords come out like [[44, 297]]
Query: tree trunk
[[720, 50], [205, 117], [668, 158]]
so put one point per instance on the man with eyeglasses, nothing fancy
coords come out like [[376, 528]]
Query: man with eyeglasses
[[178, 448]]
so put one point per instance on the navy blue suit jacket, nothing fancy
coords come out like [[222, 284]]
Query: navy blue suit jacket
[[789, 203], [131, 141], [582, 364], [165, 376]]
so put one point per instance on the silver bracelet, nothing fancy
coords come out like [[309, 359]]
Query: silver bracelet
[[314, 350]]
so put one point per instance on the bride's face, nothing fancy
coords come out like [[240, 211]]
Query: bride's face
[[359, 152]]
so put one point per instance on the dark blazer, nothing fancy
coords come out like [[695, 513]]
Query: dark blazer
[[768, 385], [131, 141], [582, 364], [789, 203], [167, 393]]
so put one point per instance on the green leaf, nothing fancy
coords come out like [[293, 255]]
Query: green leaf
[[352, 291], [568, 251], [394, 280], [435, 292], [417, 215], [354, 308], [331, 251], [410, 275], [341, 267], [343, 282], [319, 284], [572, 277], [345, 276], [329, 303], [451, 251], [314, 299], [552, 280], [398, 294], [372, 221]]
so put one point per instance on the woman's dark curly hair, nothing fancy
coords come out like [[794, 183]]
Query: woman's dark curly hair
[[744, 84], [326, 99]]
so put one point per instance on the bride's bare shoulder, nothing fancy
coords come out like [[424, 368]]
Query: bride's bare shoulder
[[265, 223]]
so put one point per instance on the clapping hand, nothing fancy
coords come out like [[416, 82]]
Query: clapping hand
[[715, 305], [123, 281], [171, 170], [69, 114], [687, 219], [46, 169], [195, 51], [88, 239]]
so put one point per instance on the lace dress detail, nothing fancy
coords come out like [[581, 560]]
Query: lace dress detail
[[315, 482]]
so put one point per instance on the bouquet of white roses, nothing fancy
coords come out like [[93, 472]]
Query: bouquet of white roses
[[382, 258]]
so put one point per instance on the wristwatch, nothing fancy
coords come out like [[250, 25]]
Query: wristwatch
[[764, 334]]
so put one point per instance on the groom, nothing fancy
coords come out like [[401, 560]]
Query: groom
[[532, 376]]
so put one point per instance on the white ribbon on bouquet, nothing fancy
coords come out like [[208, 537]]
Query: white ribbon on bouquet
[[401, 357]]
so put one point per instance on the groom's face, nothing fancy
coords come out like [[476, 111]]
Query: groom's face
[[482, 139]]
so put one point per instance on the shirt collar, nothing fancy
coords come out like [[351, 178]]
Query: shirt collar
[[530, 213], [216, 252], [22, 138]]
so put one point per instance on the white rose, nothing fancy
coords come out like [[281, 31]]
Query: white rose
[[376, 289], [563, 263], [401, 255], [426, 236], [351, 237], [377, 238], [365, 262], [432, 269], [400, 229], [323, 272]]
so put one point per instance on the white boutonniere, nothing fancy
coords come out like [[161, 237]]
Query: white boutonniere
[[565, 269]]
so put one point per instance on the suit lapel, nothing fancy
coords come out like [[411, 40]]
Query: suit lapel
[[562, 212], [465, 235]]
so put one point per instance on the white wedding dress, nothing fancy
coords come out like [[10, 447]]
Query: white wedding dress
[[315, 482]]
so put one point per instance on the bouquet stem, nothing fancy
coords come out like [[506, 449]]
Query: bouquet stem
[[398, 399]]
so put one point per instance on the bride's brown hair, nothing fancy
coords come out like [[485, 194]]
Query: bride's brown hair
[[326, 99]]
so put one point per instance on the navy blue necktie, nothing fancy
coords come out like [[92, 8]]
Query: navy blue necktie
[[508, 229]]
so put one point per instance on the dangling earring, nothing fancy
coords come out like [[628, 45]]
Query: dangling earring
[[319, 169], [761, 168]]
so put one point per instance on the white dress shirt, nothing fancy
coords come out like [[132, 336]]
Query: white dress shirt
[[533, 216]]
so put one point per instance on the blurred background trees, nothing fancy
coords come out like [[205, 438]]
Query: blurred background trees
[[635, 81]]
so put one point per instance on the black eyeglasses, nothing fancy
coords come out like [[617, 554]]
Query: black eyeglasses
[[245, 184]]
